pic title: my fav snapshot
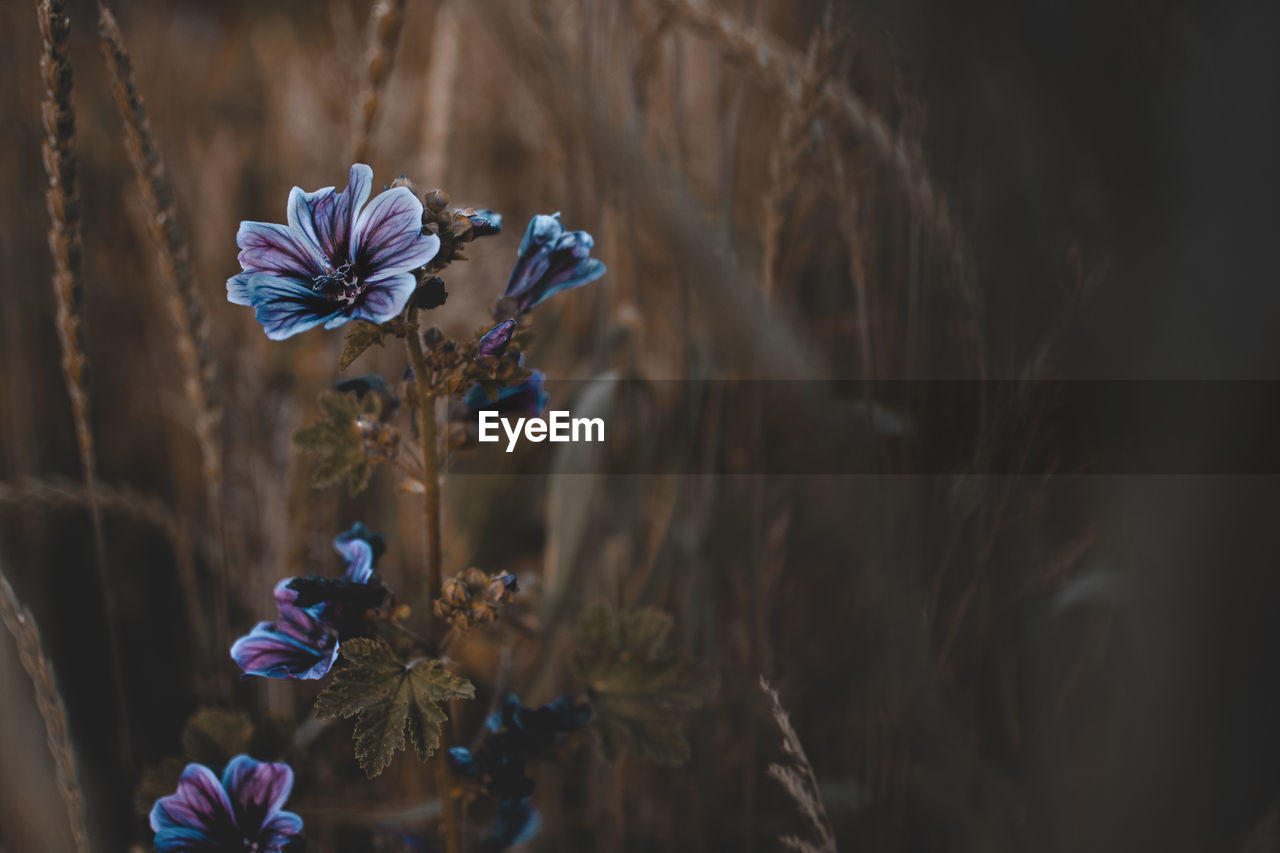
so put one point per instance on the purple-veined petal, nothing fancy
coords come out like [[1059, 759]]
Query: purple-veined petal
[[359, 556], [257, 790], [282, 827], [183, 839], [286, 306], [270, 653], [272, 248], [539, 241], [387, 237], [385, 295], [332, 214], [494, 343], [583, 273], [200, 803], [239, 289]]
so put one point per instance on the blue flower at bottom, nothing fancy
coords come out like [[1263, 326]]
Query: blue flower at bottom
[[240, 812]]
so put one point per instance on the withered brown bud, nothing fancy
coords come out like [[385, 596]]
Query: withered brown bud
[[402, 181], [436, 201]]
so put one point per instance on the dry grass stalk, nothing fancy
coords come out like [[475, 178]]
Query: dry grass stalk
[[777, 67], [19, 622], [442, 78], [799, 781], [66, 247], [792, 143], [60, 493], [385, 22], [186, 308], [62, 200]]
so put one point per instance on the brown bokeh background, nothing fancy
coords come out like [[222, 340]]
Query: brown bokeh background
[[998, 189]]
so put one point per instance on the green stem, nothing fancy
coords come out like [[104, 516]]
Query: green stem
[[427, 433]]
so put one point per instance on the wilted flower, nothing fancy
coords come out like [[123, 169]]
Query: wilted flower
[[484, 222], [333, 262], [516, 734], [314, 613], [240, 812], [526, 399], [517, 822], [297, 645], [550, 260]]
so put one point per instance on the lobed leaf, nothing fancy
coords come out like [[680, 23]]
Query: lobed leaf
[[335, 443], [387, 698], [637, 685]]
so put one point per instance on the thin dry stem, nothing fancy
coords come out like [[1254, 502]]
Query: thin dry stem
[[385, 22], [63, 202], [60, 493], [428, 439], [791, 144], [186, 308], [20, 623], [442, 79], [799, 781], [776, 66]]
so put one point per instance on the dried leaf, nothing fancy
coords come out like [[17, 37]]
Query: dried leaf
[[386, 697], [360, 336], [336, 444], [637, 685]]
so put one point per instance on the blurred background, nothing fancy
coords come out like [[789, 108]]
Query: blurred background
[[872, 191]]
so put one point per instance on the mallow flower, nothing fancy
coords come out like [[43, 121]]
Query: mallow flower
[[242, 811], [297, 645], [333, 261], [314, 613], [550, 260]]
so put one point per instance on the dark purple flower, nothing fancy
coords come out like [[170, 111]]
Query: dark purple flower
[[526, 399], [484, 222], [297, 645], [333, 262], [539, 725], [517, 822], [494, 343], [341, 603], [241, 812], [551, 260]]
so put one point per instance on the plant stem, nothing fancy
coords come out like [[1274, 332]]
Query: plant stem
[[427, 433]]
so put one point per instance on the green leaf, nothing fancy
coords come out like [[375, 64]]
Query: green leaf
[[386, 698], [638, 686], [360, 336], [214, 736], [335, 442]]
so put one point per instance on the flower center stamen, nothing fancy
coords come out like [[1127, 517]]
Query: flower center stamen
[[340, 285]]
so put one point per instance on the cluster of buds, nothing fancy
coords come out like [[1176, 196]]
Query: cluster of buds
[[474, 598], [379, 440], [454, 226]]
